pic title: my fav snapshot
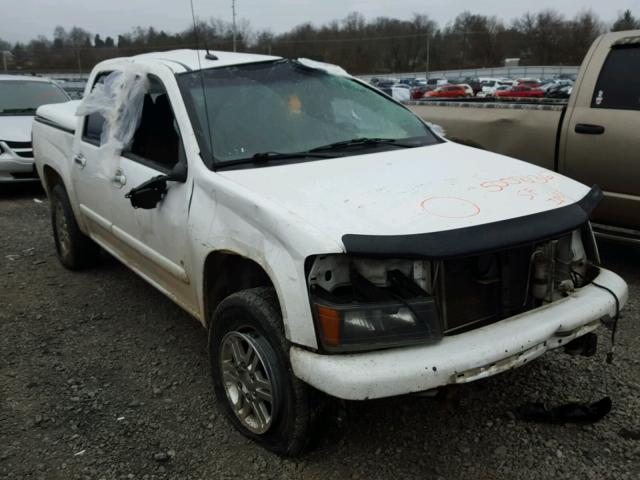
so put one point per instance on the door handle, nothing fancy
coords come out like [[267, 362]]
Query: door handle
[[80, 160], [119, 179], [589, 129]]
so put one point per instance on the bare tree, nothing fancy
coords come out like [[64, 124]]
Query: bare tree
[[625, 21], [585, 28]]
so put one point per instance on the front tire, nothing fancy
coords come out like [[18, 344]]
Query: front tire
[[252, 376], [75, 250]]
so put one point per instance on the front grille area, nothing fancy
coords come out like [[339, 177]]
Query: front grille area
[[483, 289], [22, 149], [13, 145]]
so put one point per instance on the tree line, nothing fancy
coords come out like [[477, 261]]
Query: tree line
[[361, 46]]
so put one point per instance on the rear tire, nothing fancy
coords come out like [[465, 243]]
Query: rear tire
[[75, 250], [266, 402]]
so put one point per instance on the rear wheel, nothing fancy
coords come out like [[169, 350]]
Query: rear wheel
[[252, 376], [75, 250]]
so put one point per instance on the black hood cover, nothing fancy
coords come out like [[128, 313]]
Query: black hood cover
[[480, 238]]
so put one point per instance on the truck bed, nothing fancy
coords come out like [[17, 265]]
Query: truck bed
[[61, 115], [499, 126], [53, 132]]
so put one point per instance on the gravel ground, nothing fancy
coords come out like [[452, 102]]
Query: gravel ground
[[102, 377]]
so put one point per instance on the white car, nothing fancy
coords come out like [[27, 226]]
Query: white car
[[467, 88], [489, 87], [331, 242], [19, 97], [401, 92]]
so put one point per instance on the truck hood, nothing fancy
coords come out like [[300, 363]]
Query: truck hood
[[410, 191], [15, 128]]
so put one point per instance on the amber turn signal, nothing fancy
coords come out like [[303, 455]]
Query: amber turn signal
[[330, 324]]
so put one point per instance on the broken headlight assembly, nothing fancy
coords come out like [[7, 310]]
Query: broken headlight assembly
[[366, 304], [363, 304]]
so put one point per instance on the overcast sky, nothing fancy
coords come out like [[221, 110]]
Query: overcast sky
[[22, 20]]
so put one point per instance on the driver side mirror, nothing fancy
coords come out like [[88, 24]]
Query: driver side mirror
[[148, 194], [178, 173]]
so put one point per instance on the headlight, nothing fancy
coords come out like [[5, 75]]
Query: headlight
[[366, 326], [365, 304]]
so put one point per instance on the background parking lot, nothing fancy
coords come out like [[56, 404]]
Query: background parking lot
[[103, 377]]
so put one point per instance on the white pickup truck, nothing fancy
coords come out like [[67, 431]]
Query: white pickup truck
[[332, 243]]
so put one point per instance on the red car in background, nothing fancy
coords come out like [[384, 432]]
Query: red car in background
[[520, 91], [418, 92], [447, 91], [526, 82]]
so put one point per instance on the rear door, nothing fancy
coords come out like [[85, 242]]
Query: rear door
[[602, 145], [92, 174]]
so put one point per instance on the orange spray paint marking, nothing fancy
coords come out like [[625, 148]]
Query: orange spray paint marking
[[528, 193], [558, 198], [503, 183]]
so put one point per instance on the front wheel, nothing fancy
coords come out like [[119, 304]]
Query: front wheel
[[252, 376]]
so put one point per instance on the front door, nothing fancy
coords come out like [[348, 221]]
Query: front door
[[155, 241]]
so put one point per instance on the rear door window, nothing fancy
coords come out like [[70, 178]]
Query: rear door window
[[93, 123], [618, 85]]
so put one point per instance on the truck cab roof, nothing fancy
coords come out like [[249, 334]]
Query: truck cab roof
[[186, 60]]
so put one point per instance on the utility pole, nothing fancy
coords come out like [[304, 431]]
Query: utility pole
[[426, 70], [4, 60], [233, 11]]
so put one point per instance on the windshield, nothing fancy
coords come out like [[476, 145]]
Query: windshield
[[22, 97], [285, 107]]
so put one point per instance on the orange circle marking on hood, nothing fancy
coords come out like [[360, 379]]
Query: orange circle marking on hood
[[450, 207]]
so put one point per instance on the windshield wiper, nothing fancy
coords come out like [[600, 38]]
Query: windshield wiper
[[265, 157], [364, 141]]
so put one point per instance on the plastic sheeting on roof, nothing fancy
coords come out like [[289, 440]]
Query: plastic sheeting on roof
[[326, 67]]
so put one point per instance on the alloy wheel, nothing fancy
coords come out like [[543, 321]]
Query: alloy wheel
[[62, 230], [247, 381]]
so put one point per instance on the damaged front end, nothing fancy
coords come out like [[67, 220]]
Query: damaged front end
[[362, 304]]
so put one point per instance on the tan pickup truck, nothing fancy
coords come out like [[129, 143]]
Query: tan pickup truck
[[594, 138]]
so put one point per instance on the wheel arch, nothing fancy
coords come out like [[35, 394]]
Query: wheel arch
[[51, 178], [226, 272]]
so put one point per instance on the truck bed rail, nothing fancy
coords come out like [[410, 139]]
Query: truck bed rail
[[514, 103]]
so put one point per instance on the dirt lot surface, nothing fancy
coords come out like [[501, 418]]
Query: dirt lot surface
[[102, 377]]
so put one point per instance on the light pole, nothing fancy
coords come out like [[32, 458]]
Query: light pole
[[233, 12], [426, 72]]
